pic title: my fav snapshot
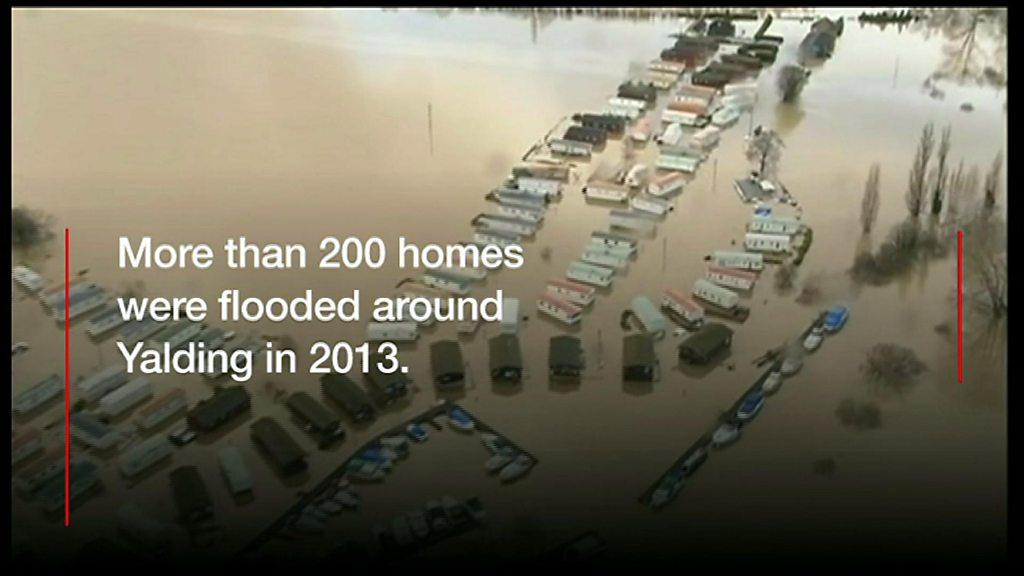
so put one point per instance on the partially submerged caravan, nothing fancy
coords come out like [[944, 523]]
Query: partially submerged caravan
[[565, 357], [685, 310], [775, 243], [639, 362], [392, 331], [559, 308], [571, 148], [651, 204], [650, 318], [774, 225], [714, 294], [613, 241], [666, 184], [501, 223], [446, 365], [506, 359], [731, 277], [738, 260], [572, 292], [604, 190], [636, 221], [675, 163], [589, 273]]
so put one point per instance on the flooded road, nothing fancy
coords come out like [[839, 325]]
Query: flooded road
[[286, 126]]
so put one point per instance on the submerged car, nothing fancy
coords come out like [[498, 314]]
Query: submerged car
[[835, 318]]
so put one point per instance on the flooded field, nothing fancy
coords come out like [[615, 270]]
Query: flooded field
[[286, 126]]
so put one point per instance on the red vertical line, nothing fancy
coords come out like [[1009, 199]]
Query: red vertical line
[[960, 306], [67, 377]]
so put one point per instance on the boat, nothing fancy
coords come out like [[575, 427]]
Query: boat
[[813, 340], [750, 407], [772, 382], [667, 489], [516, 469], [835, 318], [461, 421], [504, 456], [725, 434], [417, 432], [791, 365]]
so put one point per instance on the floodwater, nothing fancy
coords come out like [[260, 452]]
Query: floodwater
[[287, 126]]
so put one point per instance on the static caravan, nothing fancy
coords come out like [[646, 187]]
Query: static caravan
[[136, 331], [605, 257], [714, 294], [105, 321], [84, 478], [731, 278], [499, 223], [725, 116], [653, 321], [446, 365], [280, 448], [565, 357], [559, 308], [593, 136], [572, 292], [636, 221], [685, 164], [625, 113], [672, 135], [180, 333], [489, 237], [683, 118], [683, 305], [447, 282], [506, 359], [706, 137], [776, 225], [589, 274], [91, 431], [610, 124], [144, 454], [613, 241], [406, 307], [549, 187], [316, 419], [767, 242], [637, 176], [28, 279], [661, 80], [667, 66], [165, 407], [740, 101], [651, 205], [82, 298], [571, 148], [738, 260], [635, 104], [666, 184], [639, 362], [510, 316], [688, 105], [619, 251], [99, 383], [348, 395], [392, 331], [604, 190], [25, 444], [739, 88], [40, 393], [467, 272], [119, 401], [385, 388], [512, 197], [528, 213], [235, 472], [548, 169]]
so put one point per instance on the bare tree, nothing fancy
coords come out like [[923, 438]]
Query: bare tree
[[992, 290], [764, 148], [919, 170], [992, 181], [955, 192], [869, 205], [941, 176]]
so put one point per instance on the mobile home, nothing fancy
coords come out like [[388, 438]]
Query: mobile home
[[506, 359], [122, 399], [392, 331], [653, 322], [687, 105], [678, 163], [766, 242], [667, 66], [593, 136], [605, 257], [84, 477], [548, 187], [639, 362], [683, 118], [99, 383], [233, 468], [28, 279], [82, 298], [180, 333], [672, 135], [683, 305], [169, 404], [106, 320], [528, 213], [613, 241], [135, 331], [604, 190], [512, 197], [651, 205], [91, 431], [144, 454], [572, 292], [571, 148], [559, 308], [776, 225], [637, 176], [547, 168], [619, 102], [589, 274], [610, 124], [446, 365], [280, 448], [38, 473], [622, 112], [500, 223], [489, 237], [40, 393], [25, 444], [340, 389], [714, 294], [706, 137], [666, 184], [636, 221], [731, 278], [738, 260], [565, 357], [447, 282]]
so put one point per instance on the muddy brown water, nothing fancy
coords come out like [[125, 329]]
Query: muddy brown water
[[286, 126]]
